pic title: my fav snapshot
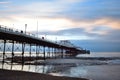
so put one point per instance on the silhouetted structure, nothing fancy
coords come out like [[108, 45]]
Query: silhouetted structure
[[48, 48]]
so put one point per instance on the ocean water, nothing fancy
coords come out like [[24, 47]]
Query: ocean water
[[101, 54], [94, 66]]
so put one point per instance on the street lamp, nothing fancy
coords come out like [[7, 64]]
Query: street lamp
[[37, 28], [25, 28]]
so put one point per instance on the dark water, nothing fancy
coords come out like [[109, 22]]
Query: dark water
[[96, 66]]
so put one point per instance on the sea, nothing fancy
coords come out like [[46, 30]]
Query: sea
[[93, 66]]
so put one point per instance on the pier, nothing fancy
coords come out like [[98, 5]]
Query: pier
[[23, 46]]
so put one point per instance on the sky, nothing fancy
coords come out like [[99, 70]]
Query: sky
[[91, 24]]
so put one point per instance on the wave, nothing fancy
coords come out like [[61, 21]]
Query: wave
[[98, 58]]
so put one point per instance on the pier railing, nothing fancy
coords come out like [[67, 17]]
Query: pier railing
[[5, 28]]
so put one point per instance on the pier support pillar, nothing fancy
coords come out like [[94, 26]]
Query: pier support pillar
[[30, 53], [49, 52], [44, 52], [23, 48], [53, 52], [62, 52], [4, 51], [36, 52], [12, 51]]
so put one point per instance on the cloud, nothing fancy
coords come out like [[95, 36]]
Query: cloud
[[5, 2], [113, 35], [98, 32], [98, 45], [64, 26], [81, 12], [94, 9], [96, 18], [38, 8], [67, 32], [73, 9], [70, 34], [109, 41]]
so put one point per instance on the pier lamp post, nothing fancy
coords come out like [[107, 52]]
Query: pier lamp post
[[55, 39], [25, 28], [37, 28]]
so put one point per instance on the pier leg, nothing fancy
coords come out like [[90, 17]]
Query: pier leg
[[52, 51], [59, 53], [44, 52], [36, 52], [65, 52], [62, 53], [30, 53], [12, 54], [39, 51], [49, 52], [56, 52], [4, 51], [23, 47], [12, 51]]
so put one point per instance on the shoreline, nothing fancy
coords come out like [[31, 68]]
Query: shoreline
[[23, 75]]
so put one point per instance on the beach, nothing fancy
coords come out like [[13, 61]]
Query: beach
[[22, 75], [78, 68]]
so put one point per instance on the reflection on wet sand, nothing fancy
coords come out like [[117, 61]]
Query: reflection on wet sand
[[81, 68]]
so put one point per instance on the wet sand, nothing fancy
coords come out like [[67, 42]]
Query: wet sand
[[22, 75], [72, 62], [102, 72], [90, 69]]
